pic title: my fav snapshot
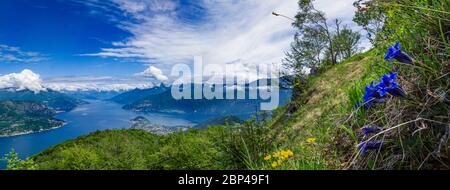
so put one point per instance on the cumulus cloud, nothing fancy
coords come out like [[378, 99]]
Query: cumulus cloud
[[25, 80], [11, 54], [153, 72]]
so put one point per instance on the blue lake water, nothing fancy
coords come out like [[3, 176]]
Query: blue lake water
[[98, 115]]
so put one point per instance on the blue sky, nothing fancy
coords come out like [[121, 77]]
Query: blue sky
[[59, 31], [128, 43]]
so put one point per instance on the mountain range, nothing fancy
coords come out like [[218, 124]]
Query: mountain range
[[25, 111], [137, 94], [55, 100], [160, 99], [93, 94]]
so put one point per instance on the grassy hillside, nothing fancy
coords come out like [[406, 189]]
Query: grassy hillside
[[312, 130]]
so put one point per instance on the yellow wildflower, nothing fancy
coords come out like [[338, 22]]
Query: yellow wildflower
[[283, 154], [290, 153], [311, 140], [274, 164], [279, 157]]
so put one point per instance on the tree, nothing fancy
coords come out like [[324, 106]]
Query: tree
[[346, 41], [15, 163], [306, 52], [370, 16], [310, 19], [318, 42]]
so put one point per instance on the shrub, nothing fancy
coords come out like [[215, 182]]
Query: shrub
[[15, 163]]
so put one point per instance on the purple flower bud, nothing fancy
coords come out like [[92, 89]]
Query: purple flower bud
[[396, 90], [367, 129], [370, 145], [403, 57]]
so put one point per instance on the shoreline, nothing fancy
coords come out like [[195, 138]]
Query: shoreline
[[32, 132]]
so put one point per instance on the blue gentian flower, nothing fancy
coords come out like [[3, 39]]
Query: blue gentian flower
[[367, 129], [395, 52], [376, 93], [369, 145], [392, 51], [371, 92], [389, 84]]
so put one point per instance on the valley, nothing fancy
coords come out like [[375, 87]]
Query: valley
[[24, 113], [97, 115]]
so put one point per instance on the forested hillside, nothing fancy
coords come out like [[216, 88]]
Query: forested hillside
[[26, 117]]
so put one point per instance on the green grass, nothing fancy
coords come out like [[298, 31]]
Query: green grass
[[324, 102]]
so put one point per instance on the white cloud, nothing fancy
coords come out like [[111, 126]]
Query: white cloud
[[228, 31], [333, 9], [97, 83], [344, 10], [143, 7], [9, 54], [74, 86], [153, 72], [25, 80], [28, 80]]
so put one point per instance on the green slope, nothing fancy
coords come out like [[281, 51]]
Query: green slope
[[313, 131]]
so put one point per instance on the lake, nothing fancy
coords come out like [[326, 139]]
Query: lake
[[97, 115]]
